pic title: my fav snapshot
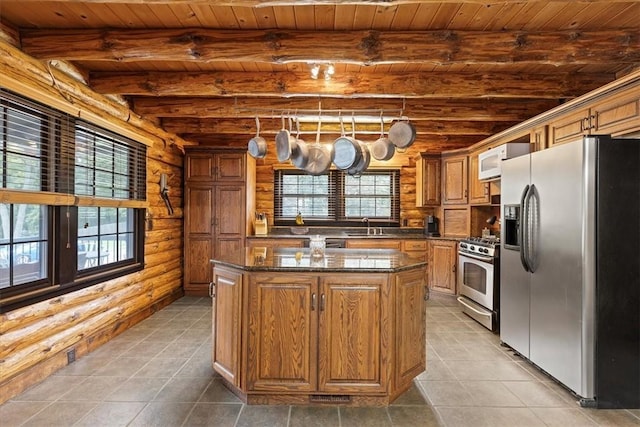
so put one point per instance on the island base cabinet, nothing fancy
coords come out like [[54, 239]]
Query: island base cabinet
[[226, 300], [355, 339], [354, 326], [282, 333], [410, 351], [317, 335]]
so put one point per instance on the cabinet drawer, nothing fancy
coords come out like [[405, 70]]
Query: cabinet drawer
[[414, 245]]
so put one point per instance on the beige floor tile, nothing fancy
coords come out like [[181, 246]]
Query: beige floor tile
[[563, 417], [137, 390], [612, 418], [272, 416], [487, 370], [162, 414], [183, 389], [436, 371], [51, 388], [93, 388], [413, 416], [489, 417], [161, 368], [84, 366], [216, 392], [491, 393], [446, 393], [370, 417], [111, 414], [13, 413], [313, 416], [214, 415], [534, 393], [122, 367], [60, 414]]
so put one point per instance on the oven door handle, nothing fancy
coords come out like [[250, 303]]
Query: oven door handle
[[482, 313], [486, 259]]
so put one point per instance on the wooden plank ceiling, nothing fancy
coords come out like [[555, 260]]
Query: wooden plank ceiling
[[459, 70]]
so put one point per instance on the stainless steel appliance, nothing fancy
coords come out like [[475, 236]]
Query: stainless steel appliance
[[478, 278], [570, 266], [490, 161]]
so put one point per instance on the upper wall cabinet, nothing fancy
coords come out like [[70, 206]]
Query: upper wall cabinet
[[618, 115], [428, 180], [478, 190], [205, 167], [454, 181]]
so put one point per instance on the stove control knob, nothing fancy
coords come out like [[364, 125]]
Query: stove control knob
[[473, 248], [463, 245], [485, 250]]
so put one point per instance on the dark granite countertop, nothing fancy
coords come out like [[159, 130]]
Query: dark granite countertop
[[334, 260]]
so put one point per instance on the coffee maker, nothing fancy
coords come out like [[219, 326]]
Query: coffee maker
[[431, 226]]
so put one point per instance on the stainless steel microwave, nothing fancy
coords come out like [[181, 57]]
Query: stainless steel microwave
[[489, 162]]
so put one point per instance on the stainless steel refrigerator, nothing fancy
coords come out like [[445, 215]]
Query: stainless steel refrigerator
[[570, 266]]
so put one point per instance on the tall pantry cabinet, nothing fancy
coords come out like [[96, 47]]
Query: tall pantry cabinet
[[219, 201]]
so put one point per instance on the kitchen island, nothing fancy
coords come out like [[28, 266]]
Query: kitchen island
[[345, 328]]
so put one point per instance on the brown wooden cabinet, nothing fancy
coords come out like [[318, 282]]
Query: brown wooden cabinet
[[410, 318], [454, 181], [226, 309], [415, 248], [428, 187], [443, 259], [479, 191], [538, 138], [326, 334], [617, 115], [219, 193]]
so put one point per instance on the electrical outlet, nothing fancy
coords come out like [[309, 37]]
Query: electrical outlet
[[71, 356]]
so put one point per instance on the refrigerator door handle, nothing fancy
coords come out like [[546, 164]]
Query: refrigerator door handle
[[533, 213], [523, 228]]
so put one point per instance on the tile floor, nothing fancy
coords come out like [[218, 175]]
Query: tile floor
[[159, 374]]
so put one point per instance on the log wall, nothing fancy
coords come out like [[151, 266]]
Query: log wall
[[34, 340], [411, 216]]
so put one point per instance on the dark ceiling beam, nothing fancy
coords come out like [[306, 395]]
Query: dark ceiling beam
[[350, 47], [494, 110], [273, 125], [405, 85]]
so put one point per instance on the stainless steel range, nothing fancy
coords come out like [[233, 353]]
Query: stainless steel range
[[479, 280]]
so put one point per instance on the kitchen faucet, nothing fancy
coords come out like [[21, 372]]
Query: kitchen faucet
[[365, 219]]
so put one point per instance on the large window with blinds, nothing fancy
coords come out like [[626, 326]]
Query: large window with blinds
[[72, 203], [337, 198]]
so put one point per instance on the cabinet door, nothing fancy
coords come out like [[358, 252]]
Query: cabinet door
[[618, 116], [569, 128], [442, 266], [538, 138], [282, 338], [454, 170], [428, 181], [354, 331], [230, 166], [410, 320], [478, 190], [199, 167], [226, 309], [199, 239], [229, 222]]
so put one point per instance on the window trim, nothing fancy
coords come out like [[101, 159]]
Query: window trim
[[62, 273], [337, 218]]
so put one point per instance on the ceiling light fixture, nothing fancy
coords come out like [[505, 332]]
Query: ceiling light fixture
[[327, 72]]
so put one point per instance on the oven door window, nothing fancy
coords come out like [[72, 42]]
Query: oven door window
[[475, 277]]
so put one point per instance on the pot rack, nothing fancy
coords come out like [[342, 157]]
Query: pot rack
[[355, 116]]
